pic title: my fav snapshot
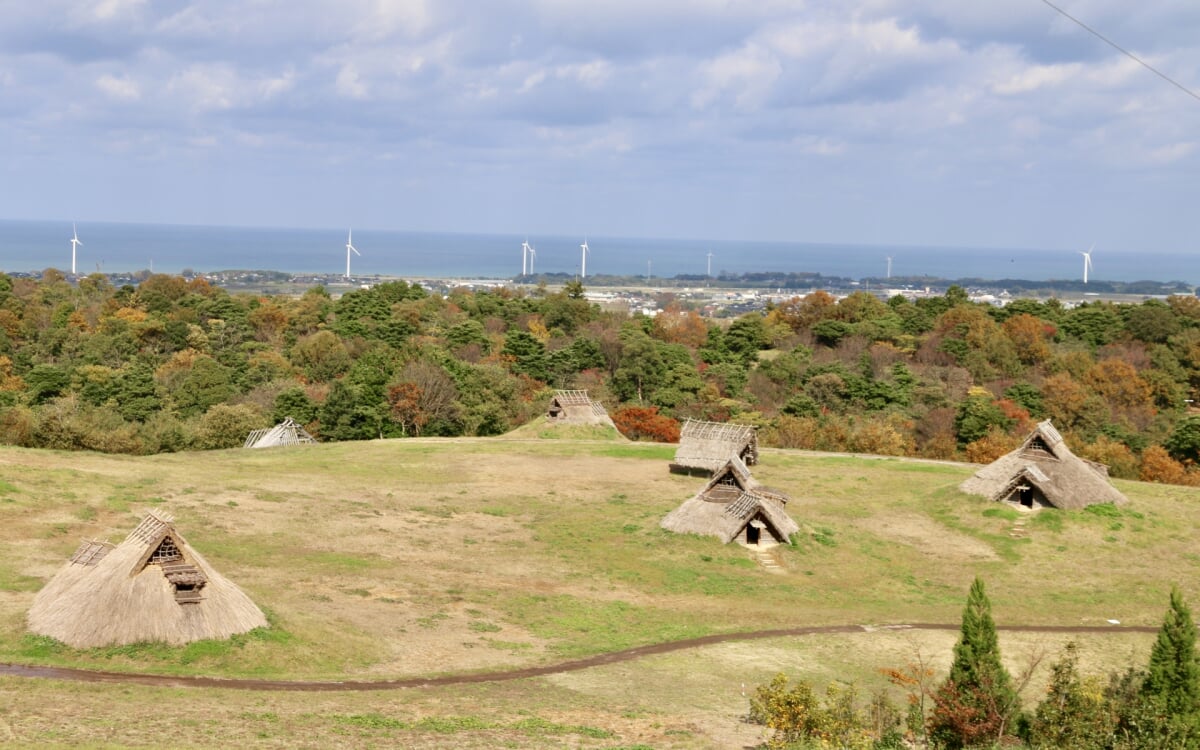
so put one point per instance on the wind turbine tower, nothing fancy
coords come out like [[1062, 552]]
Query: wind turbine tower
[[532, 257], [1087, 262], [74, 243], [710, 265], [525, 248], [583, 260], [889, 260], [350, 248]]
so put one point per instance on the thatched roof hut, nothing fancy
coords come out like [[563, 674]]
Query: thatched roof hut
[[732, 506], [151, 587], [704, 447], [287, 432], [1044, 472], [576, 407]]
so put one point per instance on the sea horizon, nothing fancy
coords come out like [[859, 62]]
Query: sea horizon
[[120, 247]]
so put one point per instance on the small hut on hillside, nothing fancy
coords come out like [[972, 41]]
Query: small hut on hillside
[[151, 587], [576, 407], [704, 447], [732, 506], [1043, 472], [287, 432]]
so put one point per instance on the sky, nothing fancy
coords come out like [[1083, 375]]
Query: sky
[[894, 122]]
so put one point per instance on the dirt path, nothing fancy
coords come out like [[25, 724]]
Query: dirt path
[[85, 675]]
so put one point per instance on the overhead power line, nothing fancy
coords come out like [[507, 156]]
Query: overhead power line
[[1125, 52]]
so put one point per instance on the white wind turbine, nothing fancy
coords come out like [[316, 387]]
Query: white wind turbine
[[1087, 261], [889, 272], [525, 248], [532, 257], [583, 260], [350, 248], [74, 243]]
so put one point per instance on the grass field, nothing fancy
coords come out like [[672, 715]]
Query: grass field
[[392, 559]]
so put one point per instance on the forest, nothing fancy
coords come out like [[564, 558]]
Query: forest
[[176, 364]]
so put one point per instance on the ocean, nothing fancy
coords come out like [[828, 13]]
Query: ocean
[[168, 248]]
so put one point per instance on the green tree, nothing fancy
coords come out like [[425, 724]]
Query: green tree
[[1074, 715], [206, 384], [1184, 442], [977, 701], [529, 354], [1174, 675], [226, 426]]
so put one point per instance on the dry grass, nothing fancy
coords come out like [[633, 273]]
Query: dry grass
[[401, 558]]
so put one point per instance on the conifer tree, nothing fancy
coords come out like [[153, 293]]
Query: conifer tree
[[977, 700], [1174, 675]]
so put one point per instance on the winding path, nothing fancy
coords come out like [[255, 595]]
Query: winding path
[[86, 675]]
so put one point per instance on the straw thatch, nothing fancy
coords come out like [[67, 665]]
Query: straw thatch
[[1043, 472], [152, 587], [576, 407], [704, 447], [733, 506], [287, 432]]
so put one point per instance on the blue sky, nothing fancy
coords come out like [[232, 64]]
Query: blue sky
[[926, 122]]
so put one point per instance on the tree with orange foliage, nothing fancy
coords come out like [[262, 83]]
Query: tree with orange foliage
[[644, 422], [802, 313], [677, 326], [1031, 336], [1158, 466]]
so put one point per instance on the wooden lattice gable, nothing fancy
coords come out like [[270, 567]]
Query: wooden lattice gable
[[729, 482], [90, 552], [1044, 442], [159, 542], [724, 431], [572, 398]]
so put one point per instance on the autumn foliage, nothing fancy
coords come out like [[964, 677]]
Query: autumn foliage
[[645, 423]]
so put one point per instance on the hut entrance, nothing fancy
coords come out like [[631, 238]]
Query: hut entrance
[[752, 533], [1025, 495]]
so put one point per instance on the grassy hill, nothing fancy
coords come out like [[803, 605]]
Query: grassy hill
[[401, 558]]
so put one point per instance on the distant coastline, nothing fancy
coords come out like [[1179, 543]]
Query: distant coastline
[[28, 246]]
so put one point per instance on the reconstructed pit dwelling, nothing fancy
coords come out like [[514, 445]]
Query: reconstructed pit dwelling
[[732, 506], [152, 587], [576, 407], [704, 447], [287, 432], [1043, 473]]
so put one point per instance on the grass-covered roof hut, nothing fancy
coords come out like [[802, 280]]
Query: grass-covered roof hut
[[705, 447], [152, 587], [576, 407], [1044, 472], [287, 432], [732, 506]]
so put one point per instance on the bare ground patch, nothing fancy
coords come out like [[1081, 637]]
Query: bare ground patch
[[928, 537]]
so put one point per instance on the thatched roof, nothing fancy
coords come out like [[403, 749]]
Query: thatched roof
[[576, 407], [730, 502], [706, 446], [287, 432], [151, 587], [1044, 472]]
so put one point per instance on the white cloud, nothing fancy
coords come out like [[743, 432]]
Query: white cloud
[[273, 87], [119, 88], [1172, 152], [106, 10], [747, 75], [205, 87], [1037, 77], [350, 84]]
